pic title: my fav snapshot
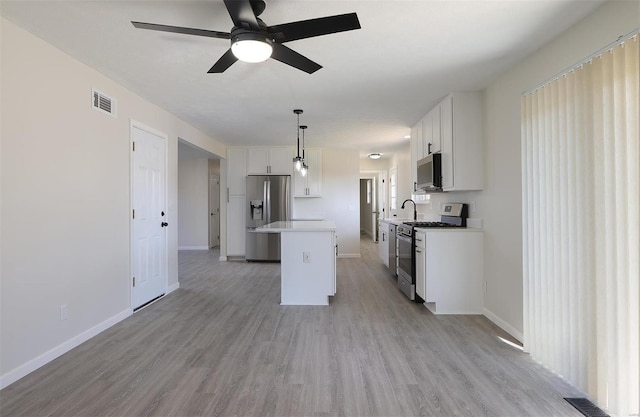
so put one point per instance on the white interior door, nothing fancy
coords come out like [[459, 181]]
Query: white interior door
[[214, 211], [149, 219]]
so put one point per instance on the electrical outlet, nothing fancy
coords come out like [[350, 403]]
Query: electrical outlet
[[64, 312], [306, 257]]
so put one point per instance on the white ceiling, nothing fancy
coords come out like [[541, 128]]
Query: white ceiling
[[376, 82]]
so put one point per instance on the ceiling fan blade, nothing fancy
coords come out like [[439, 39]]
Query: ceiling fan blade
[[223, 63], [183, 30], [290, 57], [288, 32], [242, 14]]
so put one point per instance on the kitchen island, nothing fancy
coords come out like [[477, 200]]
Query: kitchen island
[[308, 252]]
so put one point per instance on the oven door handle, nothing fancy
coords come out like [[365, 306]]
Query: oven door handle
[[404, 238]]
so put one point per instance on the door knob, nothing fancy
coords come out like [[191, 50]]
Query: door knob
[[164, 224]]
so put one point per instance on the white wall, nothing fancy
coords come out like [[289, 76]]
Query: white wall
[[401, 160], [66, 200], [193, 203], [340, 199], [500, 202]]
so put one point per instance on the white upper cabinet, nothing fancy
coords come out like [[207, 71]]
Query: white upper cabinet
[[462, 158], [454, 129], [277, 161], [431, 132], [435, 131], [311, 184], [236, 170]]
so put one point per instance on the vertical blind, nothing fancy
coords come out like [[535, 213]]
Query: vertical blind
[[580, 182]]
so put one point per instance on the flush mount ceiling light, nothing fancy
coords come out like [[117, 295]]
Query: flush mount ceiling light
[[251, 47], [375, 155], [407, 136], [297, 161]]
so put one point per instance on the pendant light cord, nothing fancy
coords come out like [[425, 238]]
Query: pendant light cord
[[298, 132]]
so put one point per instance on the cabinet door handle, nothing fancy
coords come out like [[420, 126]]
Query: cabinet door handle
[[418, 240], [429, 149], [419, 250]]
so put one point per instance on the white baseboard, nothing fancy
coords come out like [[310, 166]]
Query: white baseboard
[[504, 325], [173, 287], [222, 258], [349, 255], [193, 247], [26, 368]]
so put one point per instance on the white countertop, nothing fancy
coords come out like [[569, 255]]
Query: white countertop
[[298, 226], [473, 224], [447, 229], [396, 221]]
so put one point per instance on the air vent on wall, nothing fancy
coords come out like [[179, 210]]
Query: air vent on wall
[[104, 103]]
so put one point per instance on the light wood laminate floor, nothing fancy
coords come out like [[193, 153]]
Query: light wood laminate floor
[[222, 345]]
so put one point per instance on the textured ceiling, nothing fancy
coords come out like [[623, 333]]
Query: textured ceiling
[[376, 82]]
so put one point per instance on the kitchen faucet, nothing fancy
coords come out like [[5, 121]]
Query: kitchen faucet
[[415, 212]]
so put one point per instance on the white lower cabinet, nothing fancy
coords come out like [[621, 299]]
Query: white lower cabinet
[[236, 221], [383, 242], [449, 271], [421, 262]]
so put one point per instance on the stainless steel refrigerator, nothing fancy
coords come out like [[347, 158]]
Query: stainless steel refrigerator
[[268, 201]]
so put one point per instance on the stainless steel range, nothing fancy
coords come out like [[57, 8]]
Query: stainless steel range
[[452, 215]]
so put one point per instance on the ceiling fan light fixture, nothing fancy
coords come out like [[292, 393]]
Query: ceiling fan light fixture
[[375, 155], [251, 47]]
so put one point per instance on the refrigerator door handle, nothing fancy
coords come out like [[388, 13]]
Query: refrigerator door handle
[[287, 194], [265, 204], [268, 201]]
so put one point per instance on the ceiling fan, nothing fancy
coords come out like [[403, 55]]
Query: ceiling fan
[[253, 41]]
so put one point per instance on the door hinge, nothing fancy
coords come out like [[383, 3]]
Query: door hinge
[[134, 213], [134, 282], [134, 147]]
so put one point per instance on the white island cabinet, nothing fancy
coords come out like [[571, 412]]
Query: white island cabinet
[[307, 261]]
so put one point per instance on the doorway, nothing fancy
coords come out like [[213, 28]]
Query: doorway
[[149, 215], [373, 201]]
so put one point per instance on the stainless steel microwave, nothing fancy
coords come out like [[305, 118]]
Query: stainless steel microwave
[[430, 172]]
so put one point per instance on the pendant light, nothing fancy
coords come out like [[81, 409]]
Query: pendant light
[[304, 168], [297, 161]]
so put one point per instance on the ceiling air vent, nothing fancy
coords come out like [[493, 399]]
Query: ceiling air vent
[[104, 103]]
